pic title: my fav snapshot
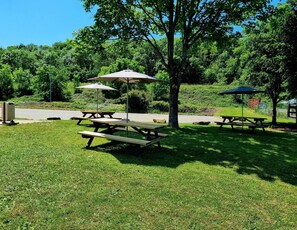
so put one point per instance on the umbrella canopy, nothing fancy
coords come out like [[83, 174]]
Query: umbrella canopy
[[96, 87], [242, 90], [126, 76]]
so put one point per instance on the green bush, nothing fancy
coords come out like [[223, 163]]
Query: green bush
[[138, 101], [160, 90], [188, 108], [161, 106]]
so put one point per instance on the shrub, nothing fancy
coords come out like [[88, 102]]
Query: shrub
[[160, 90], [187, 108], [161, 106], [6, 85], [138, 101]]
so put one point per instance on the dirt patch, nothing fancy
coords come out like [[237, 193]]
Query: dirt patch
[[208, 111], [292, 128]]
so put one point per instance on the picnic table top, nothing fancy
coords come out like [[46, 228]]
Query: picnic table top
[[99, 112], [119, 122], [246, 117]]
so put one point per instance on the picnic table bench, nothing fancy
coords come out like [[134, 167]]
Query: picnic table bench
[[88, 114], [250, 122], [109, 126]]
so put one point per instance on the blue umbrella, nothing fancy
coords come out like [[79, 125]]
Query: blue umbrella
[[241, 90]]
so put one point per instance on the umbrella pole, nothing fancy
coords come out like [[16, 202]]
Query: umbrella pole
[[97, 104], [242, 111], [127, 106], [127, 102]]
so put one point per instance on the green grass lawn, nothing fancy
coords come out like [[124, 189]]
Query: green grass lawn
[[201, 178]]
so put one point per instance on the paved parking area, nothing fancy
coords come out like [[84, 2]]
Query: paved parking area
[[31, 115]]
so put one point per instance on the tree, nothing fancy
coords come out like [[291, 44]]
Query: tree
[[48, 77], [22, 78], [289, 37], [190, 20], [17, 58], [6, 88], [160, 90], [268, 57]]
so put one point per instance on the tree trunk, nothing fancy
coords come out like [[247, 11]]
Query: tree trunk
[[173, 108], [296, 113], [274, 104], [171, 68]]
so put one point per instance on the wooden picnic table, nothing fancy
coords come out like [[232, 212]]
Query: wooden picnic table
[[88, 114], [251, 122], [109, 126]]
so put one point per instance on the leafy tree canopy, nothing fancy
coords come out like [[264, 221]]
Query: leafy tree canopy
[[191, 20]]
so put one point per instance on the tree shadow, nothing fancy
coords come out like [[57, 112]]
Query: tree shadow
[[268, 155]]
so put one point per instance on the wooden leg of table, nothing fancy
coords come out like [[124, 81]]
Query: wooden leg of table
[[90, 142], [262, 125], [223, 122], [79, 121], [253, 128], [158, 142], [92, 138]]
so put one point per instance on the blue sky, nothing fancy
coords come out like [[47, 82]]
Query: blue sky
[[42, 22]]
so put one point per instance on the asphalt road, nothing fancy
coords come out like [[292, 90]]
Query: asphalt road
[[31, 115]]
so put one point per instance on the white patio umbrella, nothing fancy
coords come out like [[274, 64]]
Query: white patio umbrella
[[126, 76], [96, 87]]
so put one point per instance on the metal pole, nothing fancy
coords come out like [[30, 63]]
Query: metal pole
[[97, 103], [242, 105], [242, 111], [50, 87], [127, 108], [4, 113], [127, 103]]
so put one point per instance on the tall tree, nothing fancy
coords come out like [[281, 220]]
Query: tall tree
[[289, 37], [268, 57], [191, 20], [50, 83], [22, 80], [6, 86]]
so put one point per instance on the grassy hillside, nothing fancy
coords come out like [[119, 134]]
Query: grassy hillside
[[208, 96], [205, 100], [193, 99]]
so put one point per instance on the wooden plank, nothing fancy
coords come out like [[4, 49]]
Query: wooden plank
[[244, 124], [127, 123], [237, 124], [225, 123], [80, 118], [221, 123], [115, 138], [134, 131]]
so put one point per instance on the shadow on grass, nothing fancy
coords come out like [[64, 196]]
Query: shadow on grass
[[269, 155]]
